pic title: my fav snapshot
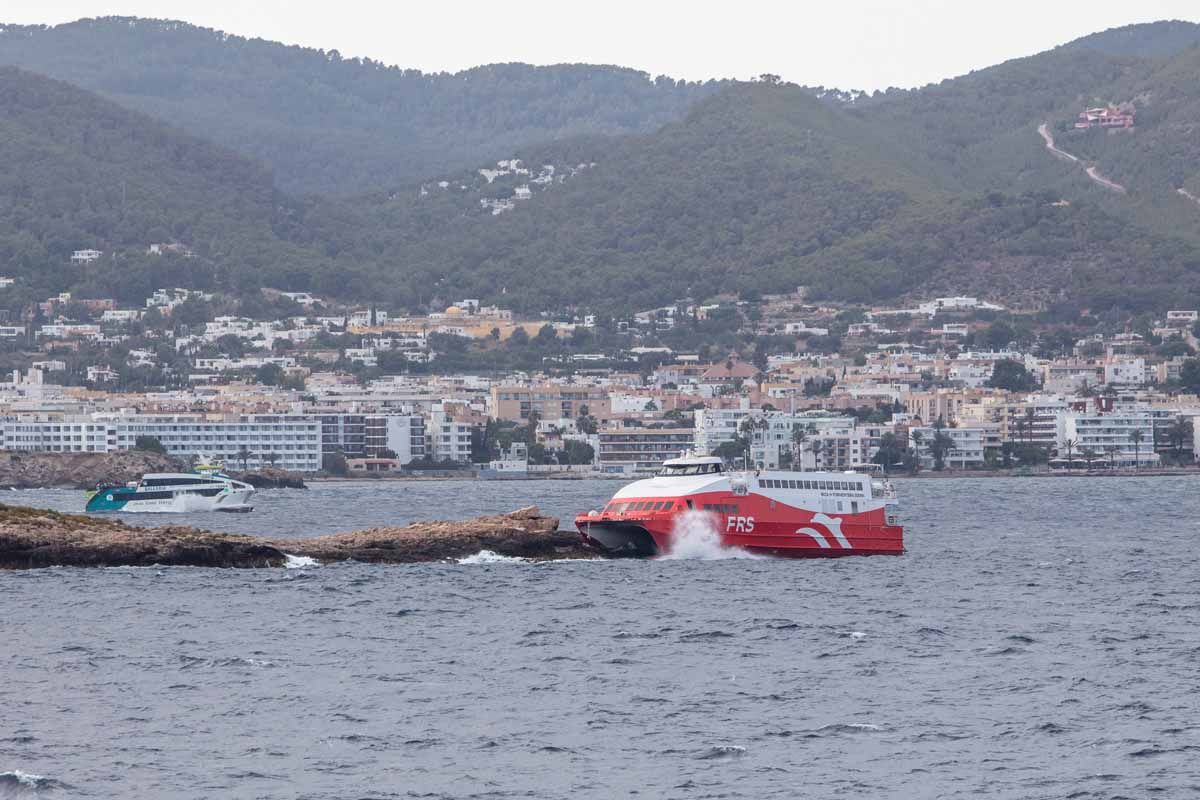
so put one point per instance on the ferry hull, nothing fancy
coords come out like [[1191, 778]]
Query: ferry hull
[[110, 500], [755, 523], [619, 539]]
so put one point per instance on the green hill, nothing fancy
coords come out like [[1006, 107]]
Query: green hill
[[81, 173], [757, 187], [734, 197], [325, 123]]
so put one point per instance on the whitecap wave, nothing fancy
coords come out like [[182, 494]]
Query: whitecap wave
[[299, 562], [490, 557], [19, 781], [695, 537]]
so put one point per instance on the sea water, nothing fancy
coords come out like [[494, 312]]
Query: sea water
[[1039, 640]]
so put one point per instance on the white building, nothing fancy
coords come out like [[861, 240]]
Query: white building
[[121, 315], [69, 331], [293, 442], [448, 438], [403, 434], [1125, 372], [85, 256], [966, 448], [1111, 436], [716, 426]]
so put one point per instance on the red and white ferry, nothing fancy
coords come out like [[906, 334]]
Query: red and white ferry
[[795, 514]]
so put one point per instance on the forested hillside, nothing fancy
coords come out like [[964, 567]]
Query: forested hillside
[[733, 198], [756, 187], [329, 124], [81, 172]]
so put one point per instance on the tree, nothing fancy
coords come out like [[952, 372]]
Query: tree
[[890, 452], [1189, 375], [586, 423], [650, 406], [149, 444], [333, 463], [1137, 437], [579, 452], [270, 374], [800, 435], [998, 336], [816, 446], [1178, 435], [271, 457], [1070, 445], [1089, 455], [1011, 376], [941, 445], [244, 455]]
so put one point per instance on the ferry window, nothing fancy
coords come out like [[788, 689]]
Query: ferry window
[[792, 484]]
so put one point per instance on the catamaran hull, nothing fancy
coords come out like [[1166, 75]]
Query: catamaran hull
[[110, 501], [619, 539]]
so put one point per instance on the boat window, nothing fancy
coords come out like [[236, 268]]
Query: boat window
[[792, 484], [674, 470], [665, 505]]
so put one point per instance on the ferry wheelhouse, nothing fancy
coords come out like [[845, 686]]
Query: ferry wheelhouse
[[174, 492], [779, 513]]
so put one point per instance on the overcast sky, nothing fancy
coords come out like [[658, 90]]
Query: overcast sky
[[860, 44]]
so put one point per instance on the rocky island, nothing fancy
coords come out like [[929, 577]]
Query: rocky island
[[35, 538]]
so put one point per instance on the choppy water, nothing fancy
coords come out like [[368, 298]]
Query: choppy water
[[1040, 640]]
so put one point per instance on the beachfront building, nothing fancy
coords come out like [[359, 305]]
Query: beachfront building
[[1117, 438], [966, 446], [287, 441], [641, 451]]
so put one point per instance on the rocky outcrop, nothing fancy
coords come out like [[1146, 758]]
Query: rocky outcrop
[[524, 533], [79, 470], [272, 478], [34, 538]]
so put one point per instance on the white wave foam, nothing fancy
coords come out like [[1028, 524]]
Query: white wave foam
[[299, 562], [695, 537], [25, 780], [489, 557]]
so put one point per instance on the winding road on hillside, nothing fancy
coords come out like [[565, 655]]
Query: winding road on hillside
[[1092, 172]]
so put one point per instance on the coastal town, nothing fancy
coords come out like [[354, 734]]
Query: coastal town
[[300, 383]]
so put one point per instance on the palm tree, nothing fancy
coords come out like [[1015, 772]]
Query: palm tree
[[1088, 455], [244, 455], [1070, 444], [918, 439], [815, 447], [1137, 437], [1029, 419]]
